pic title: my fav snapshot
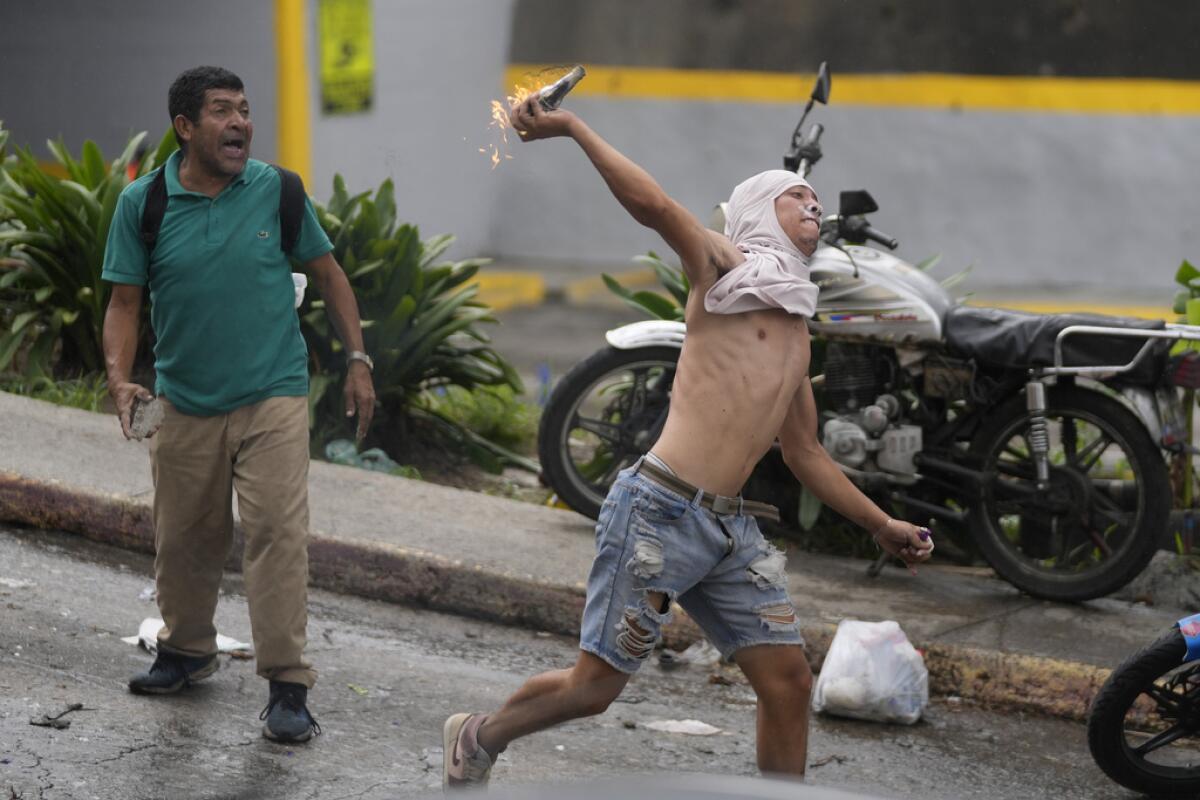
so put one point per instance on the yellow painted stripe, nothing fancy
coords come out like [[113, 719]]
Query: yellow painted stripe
[[916, 90], [506, 290], [294, 148]]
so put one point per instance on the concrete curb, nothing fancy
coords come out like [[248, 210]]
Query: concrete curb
[[994, 679]]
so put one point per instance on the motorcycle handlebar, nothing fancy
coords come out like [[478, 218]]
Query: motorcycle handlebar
[[890, 242], [814, 135]]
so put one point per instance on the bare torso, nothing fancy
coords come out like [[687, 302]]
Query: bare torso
[[737, 377]]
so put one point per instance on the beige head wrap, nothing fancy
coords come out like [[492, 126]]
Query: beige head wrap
[[775, 272]]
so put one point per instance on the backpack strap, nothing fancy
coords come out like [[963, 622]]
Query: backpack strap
[[154, 209], [291, 208]]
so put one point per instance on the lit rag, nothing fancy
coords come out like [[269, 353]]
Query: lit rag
[[775, 272]]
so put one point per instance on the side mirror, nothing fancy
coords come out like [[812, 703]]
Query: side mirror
[[856, 202], [820, 91]]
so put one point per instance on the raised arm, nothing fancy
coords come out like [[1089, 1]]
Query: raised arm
[[701, 251], [813, 467]]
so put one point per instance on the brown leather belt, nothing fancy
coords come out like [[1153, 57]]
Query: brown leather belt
[[716, 503]]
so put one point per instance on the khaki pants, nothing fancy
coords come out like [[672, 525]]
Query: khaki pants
[[261, 451]]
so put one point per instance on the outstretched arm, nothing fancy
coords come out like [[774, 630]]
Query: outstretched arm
[[813, 467], [702, 253]]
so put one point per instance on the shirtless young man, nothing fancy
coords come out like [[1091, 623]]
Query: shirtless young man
[[742, 382]]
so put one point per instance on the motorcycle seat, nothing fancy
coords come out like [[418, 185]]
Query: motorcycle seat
[[1019, 340]]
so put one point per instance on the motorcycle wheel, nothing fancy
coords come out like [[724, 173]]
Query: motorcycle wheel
[[1100, 522], [601, 417], [1144, 725]]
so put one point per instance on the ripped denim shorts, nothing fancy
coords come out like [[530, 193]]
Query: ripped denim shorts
[[719, 568]]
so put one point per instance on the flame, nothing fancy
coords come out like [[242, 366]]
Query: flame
[[499, 121]]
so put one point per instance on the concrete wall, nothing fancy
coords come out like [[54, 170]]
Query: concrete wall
[[85, 69], [438, 66], [1102, 201]]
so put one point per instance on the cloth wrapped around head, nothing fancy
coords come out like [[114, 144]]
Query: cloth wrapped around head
[[775, 272]]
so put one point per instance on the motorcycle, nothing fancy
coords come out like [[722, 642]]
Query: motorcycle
[[1039, 438], [1144, 725]]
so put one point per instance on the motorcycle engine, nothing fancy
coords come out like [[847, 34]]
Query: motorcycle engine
[[865, 428]]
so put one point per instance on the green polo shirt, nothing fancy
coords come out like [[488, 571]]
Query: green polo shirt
[[222, 302]]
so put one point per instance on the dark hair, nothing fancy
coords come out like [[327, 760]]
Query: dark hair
[[186, 95]]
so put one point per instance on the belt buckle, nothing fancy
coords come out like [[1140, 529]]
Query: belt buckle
[[725, 505]]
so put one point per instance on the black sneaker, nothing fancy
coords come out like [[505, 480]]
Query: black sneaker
[[170, 673], [287, 714]]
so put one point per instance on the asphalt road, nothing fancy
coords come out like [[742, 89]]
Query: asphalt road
[[389, 676]]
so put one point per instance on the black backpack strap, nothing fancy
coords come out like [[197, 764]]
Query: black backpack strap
[[154, 209], [291, 208]]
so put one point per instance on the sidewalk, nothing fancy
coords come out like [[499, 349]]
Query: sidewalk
[[432, 546]]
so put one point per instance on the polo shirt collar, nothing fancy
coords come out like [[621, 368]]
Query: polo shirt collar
[[174, 187]]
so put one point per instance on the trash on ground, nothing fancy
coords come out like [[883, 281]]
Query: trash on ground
[[16, 583], [872, 672], [700, 652], [358, 690], [147, 638], [691, 727], [345, 452], [57, 722]]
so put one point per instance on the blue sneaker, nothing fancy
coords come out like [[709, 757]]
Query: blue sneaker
[[171, 673], [286, 714]]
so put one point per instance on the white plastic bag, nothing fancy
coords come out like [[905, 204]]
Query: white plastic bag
[[299, 283], [872, 672]]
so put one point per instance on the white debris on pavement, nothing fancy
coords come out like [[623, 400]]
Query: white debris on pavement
[[16, 583], [691, 727], [147, 637]]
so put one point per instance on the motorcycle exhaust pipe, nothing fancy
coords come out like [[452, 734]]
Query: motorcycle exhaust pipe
[[936, 464], [941, 512]]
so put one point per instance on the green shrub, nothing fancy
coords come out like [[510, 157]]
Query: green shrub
[[421, 321], [52, 304], [89, 392], [494, 412], [653, 303]]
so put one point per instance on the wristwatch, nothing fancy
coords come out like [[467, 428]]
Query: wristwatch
[[358, 355]]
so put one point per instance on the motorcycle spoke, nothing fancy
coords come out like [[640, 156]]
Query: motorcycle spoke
[[1174, 733], [605, 430], [1100, 543], [1089, 455], [1070, 438], [638, 393], [1023, 470], [1115, 515], [610, 474], [1019, 456], [1169, 703]]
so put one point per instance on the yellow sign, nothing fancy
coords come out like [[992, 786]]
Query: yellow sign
[[347, 60]]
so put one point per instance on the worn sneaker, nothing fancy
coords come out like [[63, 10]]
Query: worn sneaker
[[286, 714], [464, 762], [170, 673]]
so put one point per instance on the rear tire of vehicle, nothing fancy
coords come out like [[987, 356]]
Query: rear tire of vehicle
[[559, 420], [1106, 723], [1153, 506]]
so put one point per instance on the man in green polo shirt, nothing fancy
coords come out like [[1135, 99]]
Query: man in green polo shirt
[[232, 379]]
